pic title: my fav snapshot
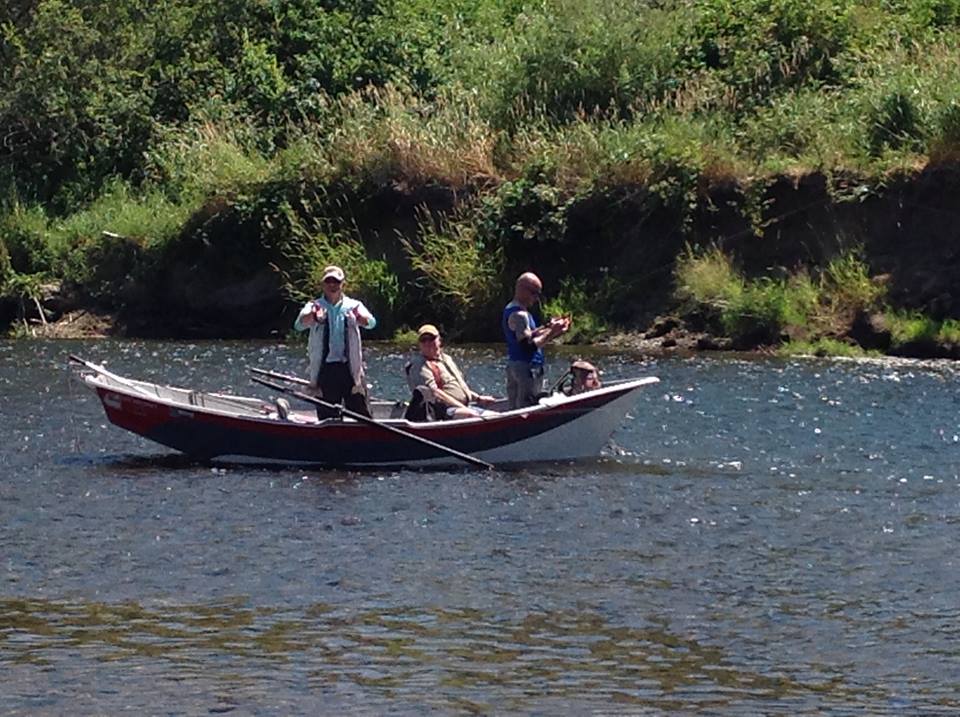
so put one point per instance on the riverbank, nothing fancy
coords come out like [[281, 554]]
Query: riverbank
[[830, 264]]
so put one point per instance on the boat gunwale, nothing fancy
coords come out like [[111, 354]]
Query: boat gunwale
[[103, 380]]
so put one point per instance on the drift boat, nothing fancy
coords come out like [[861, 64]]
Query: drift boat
[[216, 425]]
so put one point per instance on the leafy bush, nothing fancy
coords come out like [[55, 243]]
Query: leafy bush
[[946, 142], [707, 278], [911, 326], [6, 270], [759, 310], [391, 134], [574, 300], [757, 46], [26, 233], [566, 58], [192, 163], [524, 211]]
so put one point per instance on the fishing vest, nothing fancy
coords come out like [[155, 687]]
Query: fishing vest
[[520, 350]]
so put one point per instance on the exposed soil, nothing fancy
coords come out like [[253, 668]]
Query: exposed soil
[[908, 230]]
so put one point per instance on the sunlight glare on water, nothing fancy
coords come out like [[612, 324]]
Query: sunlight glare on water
[[762, 536]]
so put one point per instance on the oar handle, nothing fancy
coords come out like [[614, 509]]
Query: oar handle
[[373, 422]]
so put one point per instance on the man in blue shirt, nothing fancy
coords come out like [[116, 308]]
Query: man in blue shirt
[[525, 340], [334, 347]]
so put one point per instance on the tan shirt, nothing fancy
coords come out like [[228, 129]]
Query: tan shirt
[[424, 372]]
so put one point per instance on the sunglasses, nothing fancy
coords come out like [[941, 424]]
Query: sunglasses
[[332, 281], [428, 337]]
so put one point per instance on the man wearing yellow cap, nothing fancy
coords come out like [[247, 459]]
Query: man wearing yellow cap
[[435, 372], [334, 348]]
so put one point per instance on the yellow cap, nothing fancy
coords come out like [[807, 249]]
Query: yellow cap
[[427, 329]]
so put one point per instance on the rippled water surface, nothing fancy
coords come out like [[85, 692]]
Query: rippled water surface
[[761, 537]]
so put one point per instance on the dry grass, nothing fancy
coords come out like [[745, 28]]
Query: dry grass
[[388, 134]]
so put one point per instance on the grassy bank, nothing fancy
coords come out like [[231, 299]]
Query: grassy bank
[[436, 149]]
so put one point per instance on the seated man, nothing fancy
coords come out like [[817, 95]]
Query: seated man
[[437, 375], [585, 377]]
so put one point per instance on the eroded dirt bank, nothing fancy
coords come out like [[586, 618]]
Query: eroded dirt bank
[[231, 284]]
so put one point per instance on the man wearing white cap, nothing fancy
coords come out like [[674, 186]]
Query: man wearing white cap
[[437, 374], [334, 347]]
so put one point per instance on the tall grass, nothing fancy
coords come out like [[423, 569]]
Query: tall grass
[[389, 134], [761, 310], [207, 158], [315, 243], [458, 271]]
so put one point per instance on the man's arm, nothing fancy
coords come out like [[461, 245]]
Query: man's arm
[[540, 335], [308, 316], [364, 317]]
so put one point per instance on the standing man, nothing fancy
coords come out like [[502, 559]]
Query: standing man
[[334, 347], [525, 341]]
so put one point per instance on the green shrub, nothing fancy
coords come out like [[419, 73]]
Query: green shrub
[[390, 134], [946, 141], [6, 270], [194, 162], [574, 300], [912, 326], [562, 59], [525, 211], [949, 331], [757, 314], [895, 123], [824, 346], [26, 233], [757, 46]]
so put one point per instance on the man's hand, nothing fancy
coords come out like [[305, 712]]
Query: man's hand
[[484, 400], [362, 319], [559, 325]]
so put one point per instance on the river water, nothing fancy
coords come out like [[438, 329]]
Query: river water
[[763, 536]]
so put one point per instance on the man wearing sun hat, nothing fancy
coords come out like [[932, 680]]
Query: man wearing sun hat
[[435, 373], [334, 347]]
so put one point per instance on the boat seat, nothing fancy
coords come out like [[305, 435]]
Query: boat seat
[[420, 409]]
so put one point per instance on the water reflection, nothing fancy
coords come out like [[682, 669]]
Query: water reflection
[[567, 655]]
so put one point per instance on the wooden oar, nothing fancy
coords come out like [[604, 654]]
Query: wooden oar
[[372, 422]]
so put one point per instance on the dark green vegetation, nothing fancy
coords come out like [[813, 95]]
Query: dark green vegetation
[[189, 167]]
